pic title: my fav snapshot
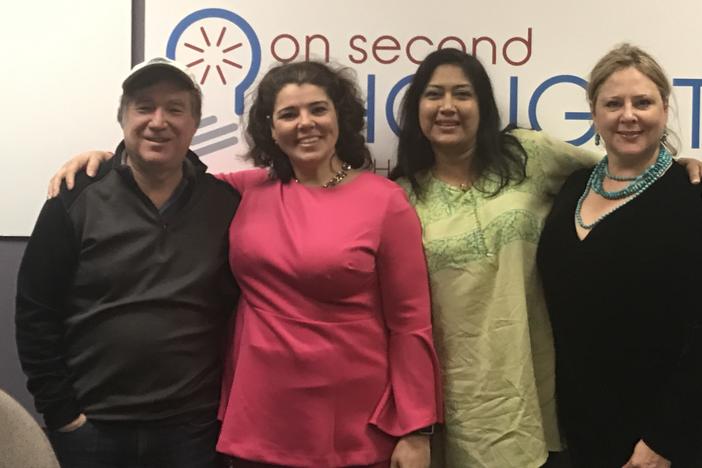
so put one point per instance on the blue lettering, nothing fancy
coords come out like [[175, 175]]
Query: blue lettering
[[568, 115], [695, 84], [370, 110], [513, 96], [390, 103]]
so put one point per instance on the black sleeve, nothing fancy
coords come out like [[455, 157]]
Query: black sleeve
[[229, 287], [675, 425], [45, 275]]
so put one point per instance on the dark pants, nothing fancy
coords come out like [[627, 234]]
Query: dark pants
[[558, 460], [133, 445]]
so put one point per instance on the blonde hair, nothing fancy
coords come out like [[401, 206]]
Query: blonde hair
[[625, 56]]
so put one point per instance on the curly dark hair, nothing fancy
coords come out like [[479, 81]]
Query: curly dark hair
[[497, 152], [340, 86]]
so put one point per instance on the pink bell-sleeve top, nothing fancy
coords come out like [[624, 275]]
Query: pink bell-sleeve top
[[332, 357]]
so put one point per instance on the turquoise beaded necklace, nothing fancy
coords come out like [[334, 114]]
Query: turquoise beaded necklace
[[634, 189], [618, 178]]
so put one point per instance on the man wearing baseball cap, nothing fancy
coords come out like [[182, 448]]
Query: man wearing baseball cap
[[124, 292]]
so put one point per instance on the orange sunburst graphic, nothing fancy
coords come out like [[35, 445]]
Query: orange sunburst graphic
[[218, 45]]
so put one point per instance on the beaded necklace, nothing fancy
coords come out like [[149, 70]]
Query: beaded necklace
[[618, 178], [336, 178], [634, 189]]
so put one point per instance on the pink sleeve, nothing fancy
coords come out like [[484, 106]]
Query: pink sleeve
[[243, 179], [414, 398], [235, 179]]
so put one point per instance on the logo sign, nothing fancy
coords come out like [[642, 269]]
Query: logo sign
[[538, 79]]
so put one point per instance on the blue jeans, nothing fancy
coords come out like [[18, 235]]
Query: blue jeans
[[99, 444]]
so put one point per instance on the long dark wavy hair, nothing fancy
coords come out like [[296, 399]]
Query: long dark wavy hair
[[342, 90], [498, 154]]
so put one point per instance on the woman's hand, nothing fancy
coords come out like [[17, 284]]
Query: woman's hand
[[694, 168], [644, 457], [90, 160], [411, 451], [75, 424]]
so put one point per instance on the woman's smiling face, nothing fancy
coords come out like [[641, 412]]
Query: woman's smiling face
[[630, 114], [448, 110], [304, 124]]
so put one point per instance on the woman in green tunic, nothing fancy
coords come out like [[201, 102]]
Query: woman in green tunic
[[482, 195]]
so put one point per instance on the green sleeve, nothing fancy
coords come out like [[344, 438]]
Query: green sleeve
[[550, 160]]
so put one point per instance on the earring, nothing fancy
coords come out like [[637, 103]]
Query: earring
[[597, 139], [664, 137], [667, 145]]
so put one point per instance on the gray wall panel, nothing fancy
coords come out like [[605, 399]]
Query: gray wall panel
[[12, 379]]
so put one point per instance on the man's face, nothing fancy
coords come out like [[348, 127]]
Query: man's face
[[158, 126]]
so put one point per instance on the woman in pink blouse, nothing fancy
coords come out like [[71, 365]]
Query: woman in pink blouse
[[332, 362]]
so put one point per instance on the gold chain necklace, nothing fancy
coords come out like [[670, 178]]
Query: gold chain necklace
[[336, 178], [339, 176]]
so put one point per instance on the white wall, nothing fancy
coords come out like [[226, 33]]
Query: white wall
[[62, 65]]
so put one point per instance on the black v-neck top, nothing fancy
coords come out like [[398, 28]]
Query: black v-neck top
[[626, 312]]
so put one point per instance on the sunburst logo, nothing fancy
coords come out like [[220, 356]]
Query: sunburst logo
[[207, 44], [212, 42]]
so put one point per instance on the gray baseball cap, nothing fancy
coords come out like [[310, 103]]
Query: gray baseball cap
[[167, 65]]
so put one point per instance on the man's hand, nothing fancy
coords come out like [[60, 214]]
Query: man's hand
[[644, 457], [411, 451], [75, 424]]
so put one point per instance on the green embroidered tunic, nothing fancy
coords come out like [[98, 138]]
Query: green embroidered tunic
[[491, 327]]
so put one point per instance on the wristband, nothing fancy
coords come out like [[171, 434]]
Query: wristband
[[425, 431]]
